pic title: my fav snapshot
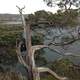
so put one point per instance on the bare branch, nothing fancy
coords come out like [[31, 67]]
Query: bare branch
[[34, 48], [21, 60], [37, 47], [71, 54], [44, 69], [64, 43], [20, 9]]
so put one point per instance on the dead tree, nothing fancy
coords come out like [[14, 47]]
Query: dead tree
[[27, 33], [33, 71]]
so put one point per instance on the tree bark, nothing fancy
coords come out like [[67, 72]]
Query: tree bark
[[29, 51], [27, 33]]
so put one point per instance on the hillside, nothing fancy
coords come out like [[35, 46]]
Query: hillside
[[9, 17]]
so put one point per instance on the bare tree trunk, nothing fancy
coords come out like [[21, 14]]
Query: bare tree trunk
[[27, 33], [29, 50]]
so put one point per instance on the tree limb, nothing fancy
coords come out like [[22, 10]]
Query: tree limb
[[37, 47], [44, 69], [20, 9], [34, 48], [20, 57], [64, 43]]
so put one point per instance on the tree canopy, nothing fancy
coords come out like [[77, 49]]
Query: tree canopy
[[63, 4], [58, 19]]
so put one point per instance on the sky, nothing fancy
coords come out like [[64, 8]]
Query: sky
[[9, 6]]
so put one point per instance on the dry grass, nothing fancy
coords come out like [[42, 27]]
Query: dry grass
[[10, 76]]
